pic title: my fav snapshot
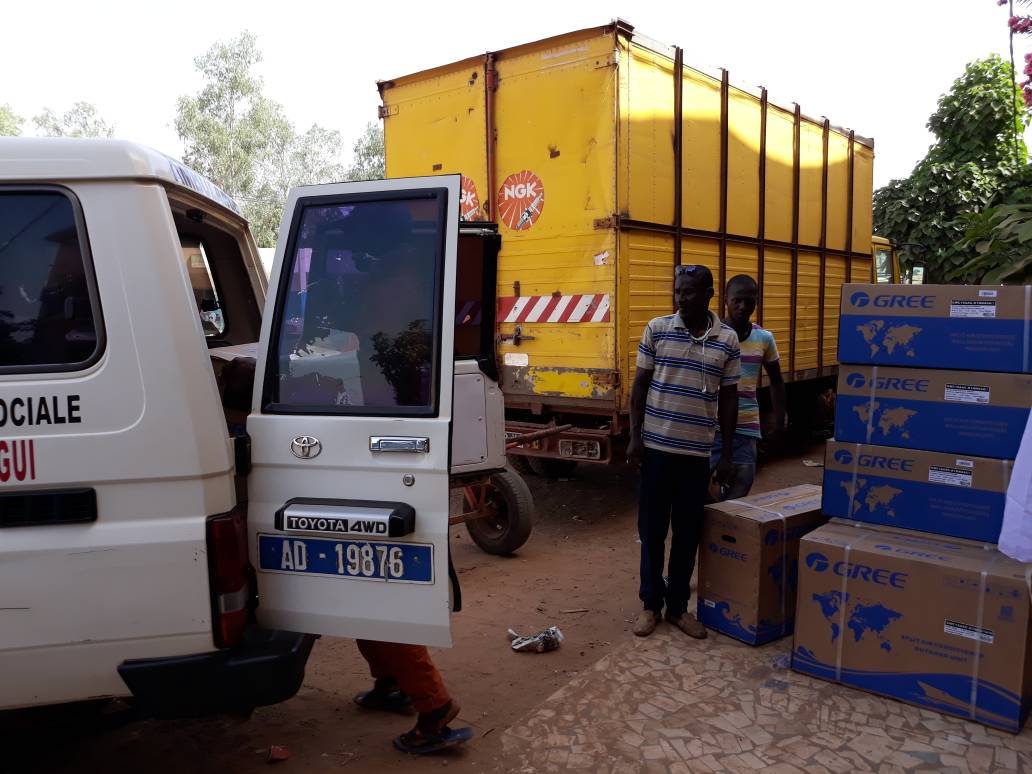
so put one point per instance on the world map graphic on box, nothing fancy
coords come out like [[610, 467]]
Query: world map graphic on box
[[875, 500], [886, 420], [880, 336], [862, 619]]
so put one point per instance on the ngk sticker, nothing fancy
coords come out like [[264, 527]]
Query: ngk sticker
[[469, 201], [521, 200]]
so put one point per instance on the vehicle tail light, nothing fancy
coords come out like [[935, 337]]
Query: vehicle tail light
[[229, 575]]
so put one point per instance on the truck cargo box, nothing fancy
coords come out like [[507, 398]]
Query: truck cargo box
[[606, 160]]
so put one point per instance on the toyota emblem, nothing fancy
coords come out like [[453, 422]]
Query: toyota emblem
[[305, 447]]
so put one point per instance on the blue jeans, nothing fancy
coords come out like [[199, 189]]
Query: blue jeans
[[743, 457], [673, 490]]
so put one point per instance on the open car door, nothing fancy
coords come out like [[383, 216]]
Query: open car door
[[350, 421]]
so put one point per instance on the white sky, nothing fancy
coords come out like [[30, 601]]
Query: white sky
[[877, 67]]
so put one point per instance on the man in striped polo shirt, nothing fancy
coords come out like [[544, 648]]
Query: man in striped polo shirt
[[758, 349], [686, 382]]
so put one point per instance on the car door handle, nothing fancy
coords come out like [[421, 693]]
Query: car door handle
[[396, 444]]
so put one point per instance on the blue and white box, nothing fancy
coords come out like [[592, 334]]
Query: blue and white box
[[956, 495], [966, 412], [937, 623], [975, 327]]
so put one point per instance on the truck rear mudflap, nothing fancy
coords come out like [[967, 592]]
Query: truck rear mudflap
[[266, 668]]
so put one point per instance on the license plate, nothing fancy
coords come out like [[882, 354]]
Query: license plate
[[358, 559]]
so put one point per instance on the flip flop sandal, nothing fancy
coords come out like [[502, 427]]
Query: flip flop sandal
[[417, 742], [395, 701]]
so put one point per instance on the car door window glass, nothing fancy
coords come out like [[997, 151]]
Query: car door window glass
[[360, 324]]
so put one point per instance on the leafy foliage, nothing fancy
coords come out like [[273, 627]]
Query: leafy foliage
[[83, 120], [1000, 237], [10, 124], [369, 161], [976, 157], [242, 140]]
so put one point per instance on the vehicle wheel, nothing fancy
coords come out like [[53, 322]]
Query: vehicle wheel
[[549, 467], [519, 463], [509, 526]]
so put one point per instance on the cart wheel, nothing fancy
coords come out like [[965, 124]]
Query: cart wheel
[[549, 467], [519, 463], [508, 526]]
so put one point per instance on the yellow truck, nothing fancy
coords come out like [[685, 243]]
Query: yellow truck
[[606, 160]]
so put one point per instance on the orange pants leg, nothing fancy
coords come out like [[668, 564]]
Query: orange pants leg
[[411, 667]]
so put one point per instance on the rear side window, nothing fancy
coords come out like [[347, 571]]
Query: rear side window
[[206, 295], [49, 317]]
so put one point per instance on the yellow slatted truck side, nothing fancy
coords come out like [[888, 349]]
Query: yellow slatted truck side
[[606, 160]]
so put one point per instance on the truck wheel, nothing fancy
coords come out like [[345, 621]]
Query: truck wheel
[[519, 463], [509, 526], [549, 467]]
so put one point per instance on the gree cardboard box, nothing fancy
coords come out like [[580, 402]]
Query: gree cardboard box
[[747, 563], [937, 623], [977, 328], [955, 495], [969, 412]]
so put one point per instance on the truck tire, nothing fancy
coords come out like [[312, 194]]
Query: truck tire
[[509, 529], [549, 467], [519, 463]]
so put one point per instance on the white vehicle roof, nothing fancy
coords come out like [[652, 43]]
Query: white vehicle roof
[[34, 159]]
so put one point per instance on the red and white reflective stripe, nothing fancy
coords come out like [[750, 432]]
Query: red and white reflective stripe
[[582, 308]]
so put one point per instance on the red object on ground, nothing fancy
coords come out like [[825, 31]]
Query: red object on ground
[[277, 753]]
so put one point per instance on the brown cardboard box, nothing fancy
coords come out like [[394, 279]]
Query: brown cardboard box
[[975, 327], [949, 494], [748, 561], [964, 412], [940, 623]]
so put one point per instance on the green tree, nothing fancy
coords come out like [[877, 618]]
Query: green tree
[[977, 152], [83, 120], [244, 142], [369, 161], [10, 124], [1000, 236]]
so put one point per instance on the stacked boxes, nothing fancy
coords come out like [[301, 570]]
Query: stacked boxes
[[931, 619], [748, 565], [960, 419]]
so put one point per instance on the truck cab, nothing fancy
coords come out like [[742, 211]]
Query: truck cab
[[201, 470], [885, 266]]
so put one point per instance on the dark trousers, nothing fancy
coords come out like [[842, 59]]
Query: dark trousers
[[673, 490]]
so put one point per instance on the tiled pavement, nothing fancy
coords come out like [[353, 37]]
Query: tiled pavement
[[672, 704]]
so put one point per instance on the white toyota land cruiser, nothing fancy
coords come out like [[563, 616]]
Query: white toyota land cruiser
[[157, 543]]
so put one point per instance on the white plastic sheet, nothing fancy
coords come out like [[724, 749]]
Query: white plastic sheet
[[1016, 536]]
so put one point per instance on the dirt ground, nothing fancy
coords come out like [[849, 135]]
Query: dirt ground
[[583, 554]]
